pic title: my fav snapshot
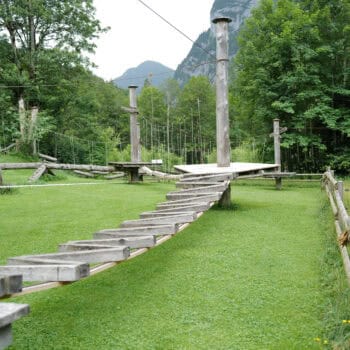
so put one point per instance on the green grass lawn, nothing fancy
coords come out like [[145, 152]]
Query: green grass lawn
[[255, 277], [36, 220]]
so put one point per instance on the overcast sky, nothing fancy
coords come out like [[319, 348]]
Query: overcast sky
[[137, 35]]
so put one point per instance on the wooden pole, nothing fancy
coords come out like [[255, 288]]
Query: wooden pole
[[1, 180], [222, 113], [134, 126], [277, 142], [340, 185]]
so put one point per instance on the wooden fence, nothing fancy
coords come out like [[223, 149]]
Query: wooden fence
[[335, 192]]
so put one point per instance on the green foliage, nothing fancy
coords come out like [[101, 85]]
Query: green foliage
[[293, 65]]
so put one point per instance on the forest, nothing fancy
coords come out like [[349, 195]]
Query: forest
[[292, 64]]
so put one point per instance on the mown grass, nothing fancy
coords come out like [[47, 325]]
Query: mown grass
[[254, 277], [36, 220]]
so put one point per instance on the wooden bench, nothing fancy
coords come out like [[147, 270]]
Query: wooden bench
[[10, 312]]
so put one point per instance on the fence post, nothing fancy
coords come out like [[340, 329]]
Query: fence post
[[340, 186], [1, 181], [222, 113]]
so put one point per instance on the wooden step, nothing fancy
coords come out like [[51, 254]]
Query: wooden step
[[174, 219], [193, 196], [213, 197], [86, 256], [46, 273], [157, 230], [197, 207], [186, 185], [131, 242], [204, 189], [208, 177], [9, 313], [160, 214]]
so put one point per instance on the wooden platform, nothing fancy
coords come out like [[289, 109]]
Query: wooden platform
[[237, 168], [132, 168]]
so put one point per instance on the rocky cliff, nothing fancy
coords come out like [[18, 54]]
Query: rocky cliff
[[238, 11]]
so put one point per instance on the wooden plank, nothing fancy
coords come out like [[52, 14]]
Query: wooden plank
[[131, 242], [188, 185], [86, 256], [98, 172], [331, 200], [208, 178], [38, 173], [158, 230], [11, 312], [84, 173], [198, 208], [174, 219], [45, 273], [48, 158], [11, 166], [235, 168], [8, 148], [189, 196], [342, 212], [204, 189], [278, 175], [194, 200], [156, 214]]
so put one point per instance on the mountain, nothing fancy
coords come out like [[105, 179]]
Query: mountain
[[156, 72], [238, 11]]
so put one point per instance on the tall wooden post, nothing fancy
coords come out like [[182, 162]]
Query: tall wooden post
[[277, 131], [277, 142], [134, 126], [340, 186], [222, 116]]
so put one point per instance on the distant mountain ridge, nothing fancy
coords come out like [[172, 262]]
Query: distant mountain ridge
[[155, 72], [238, 11]]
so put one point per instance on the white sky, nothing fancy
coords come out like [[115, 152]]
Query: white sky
[[137, 35]]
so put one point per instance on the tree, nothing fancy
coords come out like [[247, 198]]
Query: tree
[[38, 31], [292, 65]]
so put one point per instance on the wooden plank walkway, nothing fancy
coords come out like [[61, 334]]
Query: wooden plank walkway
[[195, 195]]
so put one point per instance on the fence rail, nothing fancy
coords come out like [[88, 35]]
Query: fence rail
[[335, 192]]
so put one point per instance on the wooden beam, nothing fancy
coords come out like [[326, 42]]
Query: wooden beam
[[48, 158], [38, 173], [45, 273], [87, 256], [172, 219]]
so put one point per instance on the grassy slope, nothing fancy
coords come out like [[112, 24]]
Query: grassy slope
[[36, 220], [243, 279]]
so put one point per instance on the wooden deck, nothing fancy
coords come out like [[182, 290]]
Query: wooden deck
[[237, 168]]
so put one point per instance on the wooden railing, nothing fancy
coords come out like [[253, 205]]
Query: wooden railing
[[335, 192]]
